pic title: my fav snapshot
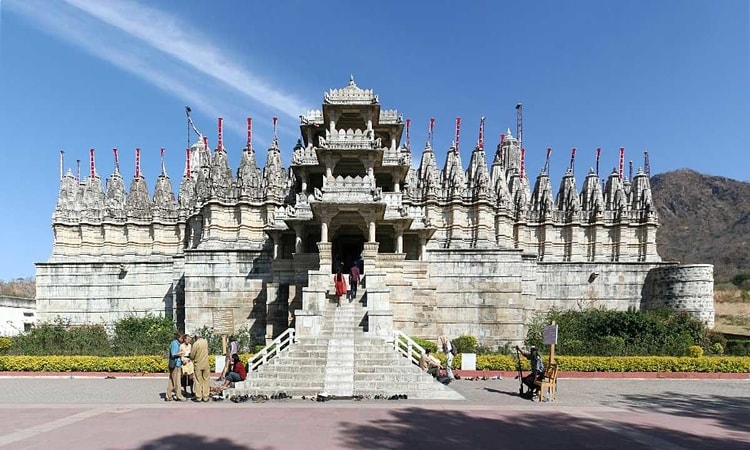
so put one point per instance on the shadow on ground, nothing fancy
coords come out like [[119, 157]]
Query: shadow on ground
[[193, 442], [730, 413], [416, 428]]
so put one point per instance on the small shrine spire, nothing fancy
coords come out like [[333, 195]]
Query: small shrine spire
[[117, 160], [572, 160], [430, 131], [221, 135], [137, 162], [622, 161], [187, 162], [250, 134], [62, 163], [480, 143], [275, 131], [92, 164], [408, 135], [458, 131]]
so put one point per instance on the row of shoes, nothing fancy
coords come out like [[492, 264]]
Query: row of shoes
[[391, 397], [280, 396], [217, 398]]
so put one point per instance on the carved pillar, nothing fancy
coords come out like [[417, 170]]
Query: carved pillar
[[371, 231], [298, 244], [399, 238], [393, 143], [422, 247], [323, 231]]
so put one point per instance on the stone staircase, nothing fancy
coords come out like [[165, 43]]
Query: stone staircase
[[343, 360]]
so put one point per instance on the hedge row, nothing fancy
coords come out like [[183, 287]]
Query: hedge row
[[133, 364], [721, 364]]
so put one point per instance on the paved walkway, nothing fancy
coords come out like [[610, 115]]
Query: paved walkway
[[129, 413]]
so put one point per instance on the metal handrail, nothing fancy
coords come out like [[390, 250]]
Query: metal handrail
[[274, 348], [407, 347]]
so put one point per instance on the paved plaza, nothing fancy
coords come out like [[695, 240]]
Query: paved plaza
[[130, 413]]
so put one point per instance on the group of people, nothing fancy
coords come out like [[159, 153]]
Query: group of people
[[189, 368], [346, 284]]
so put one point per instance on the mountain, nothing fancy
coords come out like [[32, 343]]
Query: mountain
[[704, 219]]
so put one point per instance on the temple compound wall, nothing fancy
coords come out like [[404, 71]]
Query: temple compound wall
[[459, 250]]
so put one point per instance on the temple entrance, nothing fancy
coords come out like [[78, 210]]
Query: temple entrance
[[347, 248]]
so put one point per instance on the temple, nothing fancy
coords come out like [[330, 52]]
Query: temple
[[460, 250]]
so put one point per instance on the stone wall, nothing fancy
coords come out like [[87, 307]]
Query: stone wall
[[688, 288], [16, 315], [105, 291]]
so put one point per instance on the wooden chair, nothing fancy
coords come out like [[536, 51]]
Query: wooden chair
[[548, 384]]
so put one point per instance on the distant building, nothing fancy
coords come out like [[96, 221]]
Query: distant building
[[16, 315], [463, 250]]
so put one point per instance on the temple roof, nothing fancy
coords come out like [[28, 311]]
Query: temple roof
[[351, 94]]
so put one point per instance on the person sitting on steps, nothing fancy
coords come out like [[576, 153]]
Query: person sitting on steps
[[429, 363]]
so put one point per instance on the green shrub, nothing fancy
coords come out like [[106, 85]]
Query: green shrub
[[717, 349], [737, 347], [246, 342], [5, 344], [144, 335], [608, 332], [695, 351], [60, 338], [465, 344], [425, 344]]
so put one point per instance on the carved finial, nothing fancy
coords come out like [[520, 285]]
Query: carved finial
[[351, 80]]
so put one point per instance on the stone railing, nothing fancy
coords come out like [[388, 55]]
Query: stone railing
[[350, 140], [314, 116], [407, 347], [389, 116], [271, 350], [305, 156]]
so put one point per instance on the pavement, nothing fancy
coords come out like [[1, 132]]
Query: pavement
[[126, 412]]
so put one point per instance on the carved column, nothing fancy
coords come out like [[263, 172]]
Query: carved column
[[422, 247], [399, 238], [323, 231], [371, 231], [298, 244]]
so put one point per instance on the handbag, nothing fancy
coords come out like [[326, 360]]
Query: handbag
[[172, 364]]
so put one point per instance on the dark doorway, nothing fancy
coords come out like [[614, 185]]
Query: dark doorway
[[348, 246]]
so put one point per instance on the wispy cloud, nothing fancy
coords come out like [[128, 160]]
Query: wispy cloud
[[186, 44], [113, 35]]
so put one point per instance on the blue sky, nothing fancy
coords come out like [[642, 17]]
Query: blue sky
[[670, 77]]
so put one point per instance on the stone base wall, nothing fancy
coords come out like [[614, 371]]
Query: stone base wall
[[591, 285], [688, 288], [455, 292], [104, 291], [226, 290]]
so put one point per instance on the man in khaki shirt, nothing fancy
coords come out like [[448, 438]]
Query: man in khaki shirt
[[199, 356]]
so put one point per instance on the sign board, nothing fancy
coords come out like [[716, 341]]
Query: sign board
[[550, 334], [222, 320], [468, 361]]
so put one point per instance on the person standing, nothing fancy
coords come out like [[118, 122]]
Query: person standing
[[175, 370], [187, 365], [449, 351], [199, 356], [354, 279], [339, 285]]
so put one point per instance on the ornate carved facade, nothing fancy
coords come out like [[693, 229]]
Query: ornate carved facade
[[460, 250]]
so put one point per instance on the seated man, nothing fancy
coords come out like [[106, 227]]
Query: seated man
[[429, 364], [236, 373], [537, 370]]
